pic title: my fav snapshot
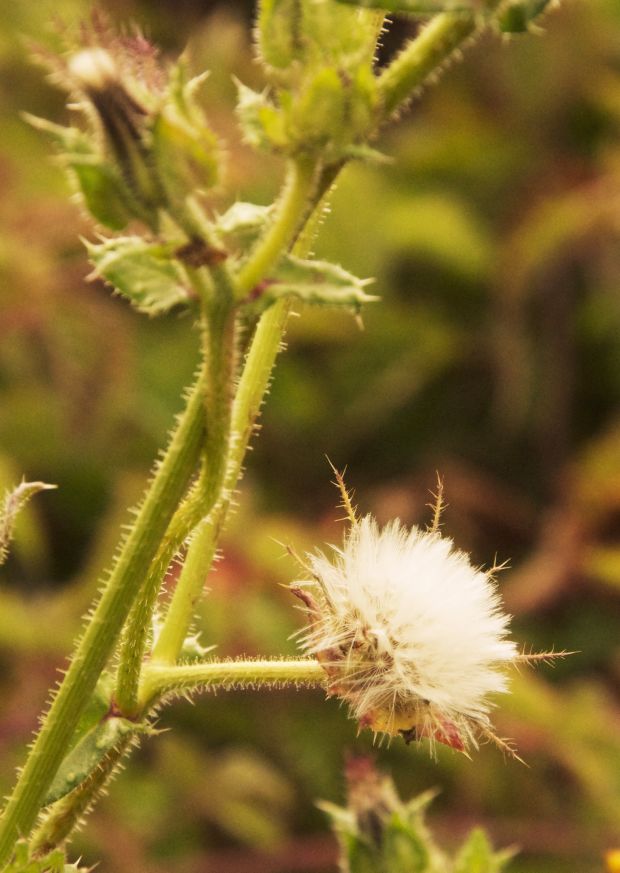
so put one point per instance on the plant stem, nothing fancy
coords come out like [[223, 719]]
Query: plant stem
[[295, 203], [425, 54], [158, 679], [218, 328], [102, 631]]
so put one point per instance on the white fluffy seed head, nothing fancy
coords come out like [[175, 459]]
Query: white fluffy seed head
[[411, 635]]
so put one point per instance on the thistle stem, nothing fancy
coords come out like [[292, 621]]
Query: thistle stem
[[295, 203], [424, 55], [103, 629], [158, 678], [217, 329]]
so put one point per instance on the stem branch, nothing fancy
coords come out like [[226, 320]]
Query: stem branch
[[158, 678]]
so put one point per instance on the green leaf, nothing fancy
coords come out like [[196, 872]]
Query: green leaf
[[89, 753], [12, 504], [106, 195], [317, 282], [53, 862], [146, 273]]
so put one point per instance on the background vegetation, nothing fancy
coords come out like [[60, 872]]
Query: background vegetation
[[493, 357]]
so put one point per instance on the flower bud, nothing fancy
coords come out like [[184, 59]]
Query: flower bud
[[279, 35], [185, 150], [123, 123]]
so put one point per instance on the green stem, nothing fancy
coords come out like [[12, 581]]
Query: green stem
[[101, 633], [425, 54], [64, 815], [214, 289], [159, 679], [295, 202], [218, 349]]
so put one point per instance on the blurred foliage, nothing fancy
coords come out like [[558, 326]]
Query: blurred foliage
[[493, 357]]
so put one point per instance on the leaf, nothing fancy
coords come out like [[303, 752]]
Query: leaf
[[12, 504], [89, 753], [54, 862], [317, 282], [105, 194], [146, 273]]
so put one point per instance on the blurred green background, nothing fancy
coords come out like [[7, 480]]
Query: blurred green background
[[494, 358]]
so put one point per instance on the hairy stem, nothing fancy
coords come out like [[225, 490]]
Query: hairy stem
[[103, 629], [295, 203], [64, 815], [214, 289], [424, 55], [159, 679], [218, 329]]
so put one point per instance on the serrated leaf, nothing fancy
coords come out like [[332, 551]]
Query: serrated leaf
[[316, 282], [12, 504], [88, 753], [145, 273]]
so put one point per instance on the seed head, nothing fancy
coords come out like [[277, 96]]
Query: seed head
[[411, 635]]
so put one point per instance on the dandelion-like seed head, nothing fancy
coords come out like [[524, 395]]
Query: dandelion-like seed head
[[410, 634]]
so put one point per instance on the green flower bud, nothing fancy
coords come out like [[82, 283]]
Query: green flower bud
[[292, 34], [185, 150], [320, 55], [333, 111], [123, 123], [148, 145], [279, 34]]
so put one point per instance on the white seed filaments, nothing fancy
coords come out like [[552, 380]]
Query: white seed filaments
[[410, 634]]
